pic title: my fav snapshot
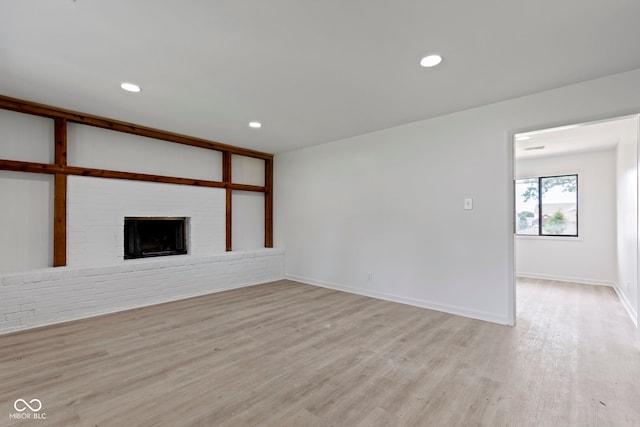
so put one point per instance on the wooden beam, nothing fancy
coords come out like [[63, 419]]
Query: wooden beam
[[18, 166], [60, 196], [227, 177], [246, 187], [33, 108], [229, 221], [60, 221], [61, 170], [268, 203], [226, 167], [61, 142]]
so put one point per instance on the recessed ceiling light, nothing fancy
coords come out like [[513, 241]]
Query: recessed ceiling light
[[255, 125], [130, 87], [430, 61]]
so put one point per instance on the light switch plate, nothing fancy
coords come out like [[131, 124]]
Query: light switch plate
[[468, 203]]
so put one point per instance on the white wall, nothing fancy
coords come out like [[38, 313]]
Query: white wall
[[26, 221], [591, 257], [627, 218], [105, 149], [247, 220], [26, 200], [247, 170], [25, 137], [390, 202]]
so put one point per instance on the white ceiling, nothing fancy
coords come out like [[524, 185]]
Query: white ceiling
[[592, 136], [311, 71]]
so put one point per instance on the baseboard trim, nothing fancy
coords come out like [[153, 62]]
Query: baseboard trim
[[627, 305], [458, 311], [566, 279]]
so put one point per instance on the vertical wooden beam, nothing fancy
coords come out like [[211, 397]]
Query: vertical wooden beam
[[268, 203], [228, 217], [60, 196], [226, 178]]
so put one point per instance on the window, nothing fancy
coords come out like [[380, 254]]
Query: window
[[547, 206]]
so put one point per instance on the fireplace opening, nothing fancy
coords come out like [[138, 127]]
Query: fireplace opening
[[154, 236]]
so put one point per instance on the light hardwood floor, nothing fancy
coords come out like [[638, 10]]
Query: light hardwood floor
[[288, 354]]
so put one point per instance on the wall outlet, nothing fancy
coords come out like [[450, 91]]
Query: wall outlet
[[369, 277], [468, 203]]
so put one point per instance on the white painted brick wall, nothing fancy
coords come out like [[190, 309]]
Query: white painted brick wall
[[98, 280], [47, 296], [97, 207]]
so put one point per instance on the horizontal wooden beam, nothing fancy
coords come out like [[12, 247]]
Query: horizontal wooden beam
[[42, 110], [244, 187], [19, 166], [12, 165]]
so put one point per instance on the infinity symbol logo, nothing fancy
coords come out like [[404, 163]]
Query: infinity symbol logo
[[37, 405]]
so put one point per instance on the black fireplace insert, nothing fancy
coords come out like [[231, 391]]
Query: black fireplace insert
[[154, 236]]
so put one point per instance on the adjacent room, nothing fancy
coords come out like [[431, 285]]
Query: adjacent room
[[302, 213], [576, 197]]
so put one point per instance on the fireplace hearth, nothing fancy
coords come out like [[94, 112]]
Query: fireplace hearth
[[146, 237]]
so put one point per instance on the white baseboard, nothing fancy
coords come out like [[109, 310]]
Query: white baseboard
[[626, 304], [566, 279], [459, 311]]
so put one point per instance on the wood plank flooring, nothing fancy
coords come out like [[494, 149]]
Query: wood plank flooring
[[288, 354]]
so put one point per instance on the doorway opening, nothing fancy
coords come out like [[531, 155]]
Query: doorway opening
[[576, 206]]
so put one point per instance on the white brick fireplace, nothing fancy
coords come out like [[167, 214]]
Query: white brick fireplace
[[97, 278], [97, 207]]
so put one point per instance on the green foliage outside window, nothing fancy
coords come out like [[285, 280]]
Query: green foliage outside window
[[556, 223], [569, 182]]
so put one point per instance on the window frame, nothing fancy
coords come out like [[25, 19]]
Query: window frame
[[540, 229]]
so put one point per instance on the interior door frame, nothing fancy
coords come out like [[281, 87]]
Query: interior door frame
[[511, 169]]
